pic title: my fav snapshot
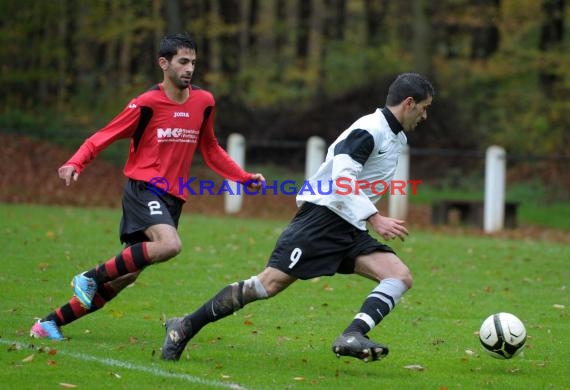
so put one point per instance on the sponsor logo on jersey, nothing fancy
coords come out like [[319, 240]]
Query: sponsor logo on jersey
[[132, 105], [176, 134], [181, 115]]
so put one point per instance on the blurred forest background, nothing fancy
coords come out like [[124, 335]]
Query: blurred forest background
[[284, 70]]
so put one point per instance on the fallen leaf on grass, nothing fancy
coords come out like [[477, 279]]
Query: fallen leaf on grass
[[45, 349], [298, 378], [51, 363], [28, 359], [68, 385], [414, 367], [14, 347], [558, 306], [43, 266]]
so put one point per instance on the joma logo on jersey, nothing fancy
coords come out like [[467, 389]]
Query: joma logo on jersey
[[181, 115]]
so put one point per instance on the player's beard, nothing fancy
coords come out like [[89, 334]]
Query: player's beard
[[183, 82], [180, 81]]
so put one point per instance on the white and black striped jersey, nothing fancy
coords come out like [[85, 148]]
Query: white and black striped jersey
[[366, 152]]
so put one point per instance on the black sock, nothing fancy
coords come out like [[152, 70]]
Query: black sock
[[226, 302], [372, 309]]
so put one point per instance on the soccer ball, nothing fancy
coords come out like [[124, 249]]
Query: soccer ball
[[502, 335]]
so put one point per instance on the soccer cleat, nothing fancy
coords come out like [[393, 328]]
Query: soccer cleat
[[46, 329], [175, 340], [84, 289], [359, 346]]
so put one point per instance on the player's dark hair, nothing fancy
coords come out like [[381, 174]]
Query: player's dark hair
[[170, 44], [409, 85]]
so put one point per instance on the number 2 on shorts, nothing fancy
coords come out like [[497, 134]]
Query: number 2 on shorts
[[154, 207], [295, 257]]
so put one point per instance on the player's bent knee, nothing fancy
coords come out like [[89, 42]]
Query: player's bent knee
[[175, 248], [170, 248], [408, 280], [402, 272], [405, 275]]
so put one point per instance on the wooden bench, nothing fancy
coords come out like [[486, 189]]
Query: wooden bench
[[471, 212]]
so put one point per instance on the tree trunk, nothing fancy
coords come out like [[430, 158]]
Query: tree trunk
[[551, 36], [319, 41], [230, 37], [251, 36], [485, 37], [375, 12], [421, 41], [173, 17], [62, 32], [205, 49], [152, 69], [265, 33], [126, 44], [83, 63], [304, 11]]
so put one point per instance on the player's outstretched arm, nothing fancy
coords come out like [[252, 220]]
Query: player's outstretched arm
[[67, 172]]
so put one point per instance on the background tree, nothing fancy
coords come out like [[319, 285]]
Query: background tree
[[500, 66]]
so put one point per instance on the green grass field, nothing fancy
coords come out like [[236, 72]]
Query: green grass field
[[283, 343]]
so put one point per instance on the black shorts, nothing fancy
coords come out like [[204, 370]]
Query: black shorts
[[143, 208], [317, 242]]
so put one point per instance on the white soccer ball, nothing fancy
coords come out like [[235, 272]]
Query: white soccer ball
[[502, 335]]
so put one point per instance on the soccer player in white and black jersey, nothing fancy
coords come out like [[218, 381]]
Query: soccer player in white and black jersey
[[166, 126], [329, 235]]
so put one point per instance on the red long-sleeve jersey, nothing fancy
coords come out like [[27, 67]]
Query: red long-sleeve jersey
[[164, 137]]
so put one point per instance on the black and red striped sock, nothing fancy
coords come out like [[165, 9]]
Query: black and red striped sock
[[73, 309], [131, 259]]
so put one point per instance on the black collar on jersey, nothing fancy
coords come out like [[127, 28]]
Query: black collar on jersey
[[395, 124]]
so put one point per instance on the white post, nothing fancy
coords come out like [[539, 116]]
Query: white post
[[236, 150], [315, 155], [494, 209], [399, 188]]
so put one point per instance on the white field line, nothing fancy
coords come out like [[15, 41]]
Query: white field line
[[134, 367]]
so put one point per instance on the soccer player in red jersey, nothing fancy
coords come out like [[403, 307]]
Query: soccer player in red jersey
[[166, 125]]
